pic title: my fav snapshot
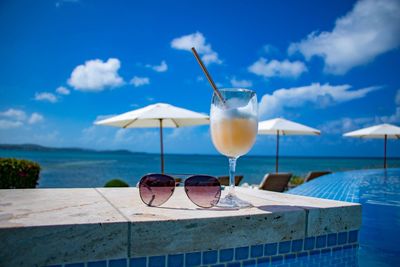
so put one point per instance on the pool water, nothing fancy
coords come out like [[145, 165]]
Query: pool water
[[379, 193]]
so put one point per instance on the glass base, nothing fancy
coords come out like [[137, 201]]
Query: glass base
[[231, 201]]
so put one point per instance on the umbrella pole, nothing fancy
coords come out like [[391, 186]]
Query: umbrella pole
[[161, 147], [384, 158], [277, 151]]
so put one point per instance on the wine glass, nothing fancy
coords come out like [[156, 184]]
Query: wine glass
[[234, 125]]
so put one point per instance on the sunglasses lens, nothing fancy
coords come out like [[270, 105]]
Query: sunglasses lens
[[204, 191], [155, 189]]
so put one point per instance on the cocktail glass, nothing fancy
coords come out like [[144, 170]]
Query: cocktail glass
[[234, 125]]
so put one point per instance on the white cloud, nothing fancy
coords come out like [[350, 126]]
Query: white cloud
[[14, 118], [139, 81], [274, 68], [14, 114], [370, 29], [198, 41], [343, 125], [241, 83], [96, 75], [163, 67], [46, 96], [62, 90], [6, 124], [317, 94], [35, 118], [347, 124], [393, 118]]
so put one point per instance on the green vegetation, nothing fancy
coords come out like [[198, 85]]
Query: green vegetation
[[116, 183], [296, 180], [15, 173]]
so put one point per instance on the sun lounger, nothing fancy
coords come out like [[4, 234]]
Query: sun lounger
[[277, 182], [312, 175], [224, 180]]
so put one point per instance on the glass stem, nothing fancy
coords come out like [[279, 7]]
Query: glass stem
[[232, 169]]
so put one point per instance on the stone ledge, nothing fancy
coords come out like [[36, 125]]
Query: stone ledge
[[46, 226]]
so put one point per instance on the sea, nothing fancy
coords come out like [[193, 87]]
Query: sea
[[82, 169]]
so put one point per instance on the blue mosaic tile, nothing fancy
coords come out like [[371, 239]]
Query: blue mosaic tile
[[226, 255], [249, 263], [263, 262], [332, 240], [117, 263], [353, 236], [302, 254], [309, 243], [320, 241], [97, 264], [242, 253], [337, 251], [275, 260], [157, 261], [284, 247], [233, 264], [210, 257], [342, 238], [347, 247], [75, 265], [326, 251], [270, 249], [53, 266], [138, 262], [289, 258], [193, 259], [315, 252], [218, 265], [175, 260], [297, 245], [257, 251]]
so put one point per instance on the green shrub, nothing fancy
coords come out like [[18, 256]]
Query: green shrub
[[296, 180], [116, 183], [16, 173]]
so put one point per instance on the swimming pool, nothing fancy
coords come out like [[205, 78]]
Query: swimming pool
[[379, 193]]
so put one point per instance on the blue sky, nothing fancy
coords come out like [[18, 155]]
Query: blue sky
[[332, 65]]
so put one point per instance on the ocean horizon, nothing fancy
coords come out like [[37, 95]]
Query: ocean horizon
[[69, 168]]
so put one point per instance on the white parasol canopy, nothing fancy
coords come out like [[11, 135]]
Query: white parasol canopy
[[381, 131], [285, 127], [158, 115], [280, 126]]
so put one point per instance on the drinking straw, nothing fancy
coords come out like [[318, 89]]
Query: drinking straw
[[217, 92]]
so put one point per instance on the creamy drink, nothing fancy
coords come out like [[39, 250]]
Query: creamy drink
[[233, 137]]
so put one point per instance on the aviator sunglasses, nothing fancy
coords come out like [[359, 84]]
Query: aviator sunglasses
[[203, 190]]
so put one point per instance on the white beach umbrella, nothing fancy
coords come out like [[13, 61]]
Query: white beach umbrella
[[280, 126], [381, 131], [158, 115]]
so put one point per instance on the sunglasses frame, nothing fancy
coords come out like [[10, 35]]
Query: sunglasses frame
[[177, 184]]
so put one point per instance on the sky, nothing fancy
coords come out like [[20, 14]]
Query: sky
[[332, 65]]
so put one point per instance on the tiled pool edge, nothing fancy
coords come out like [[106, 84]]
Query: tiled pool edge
[[333, 248], [129, 253]]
